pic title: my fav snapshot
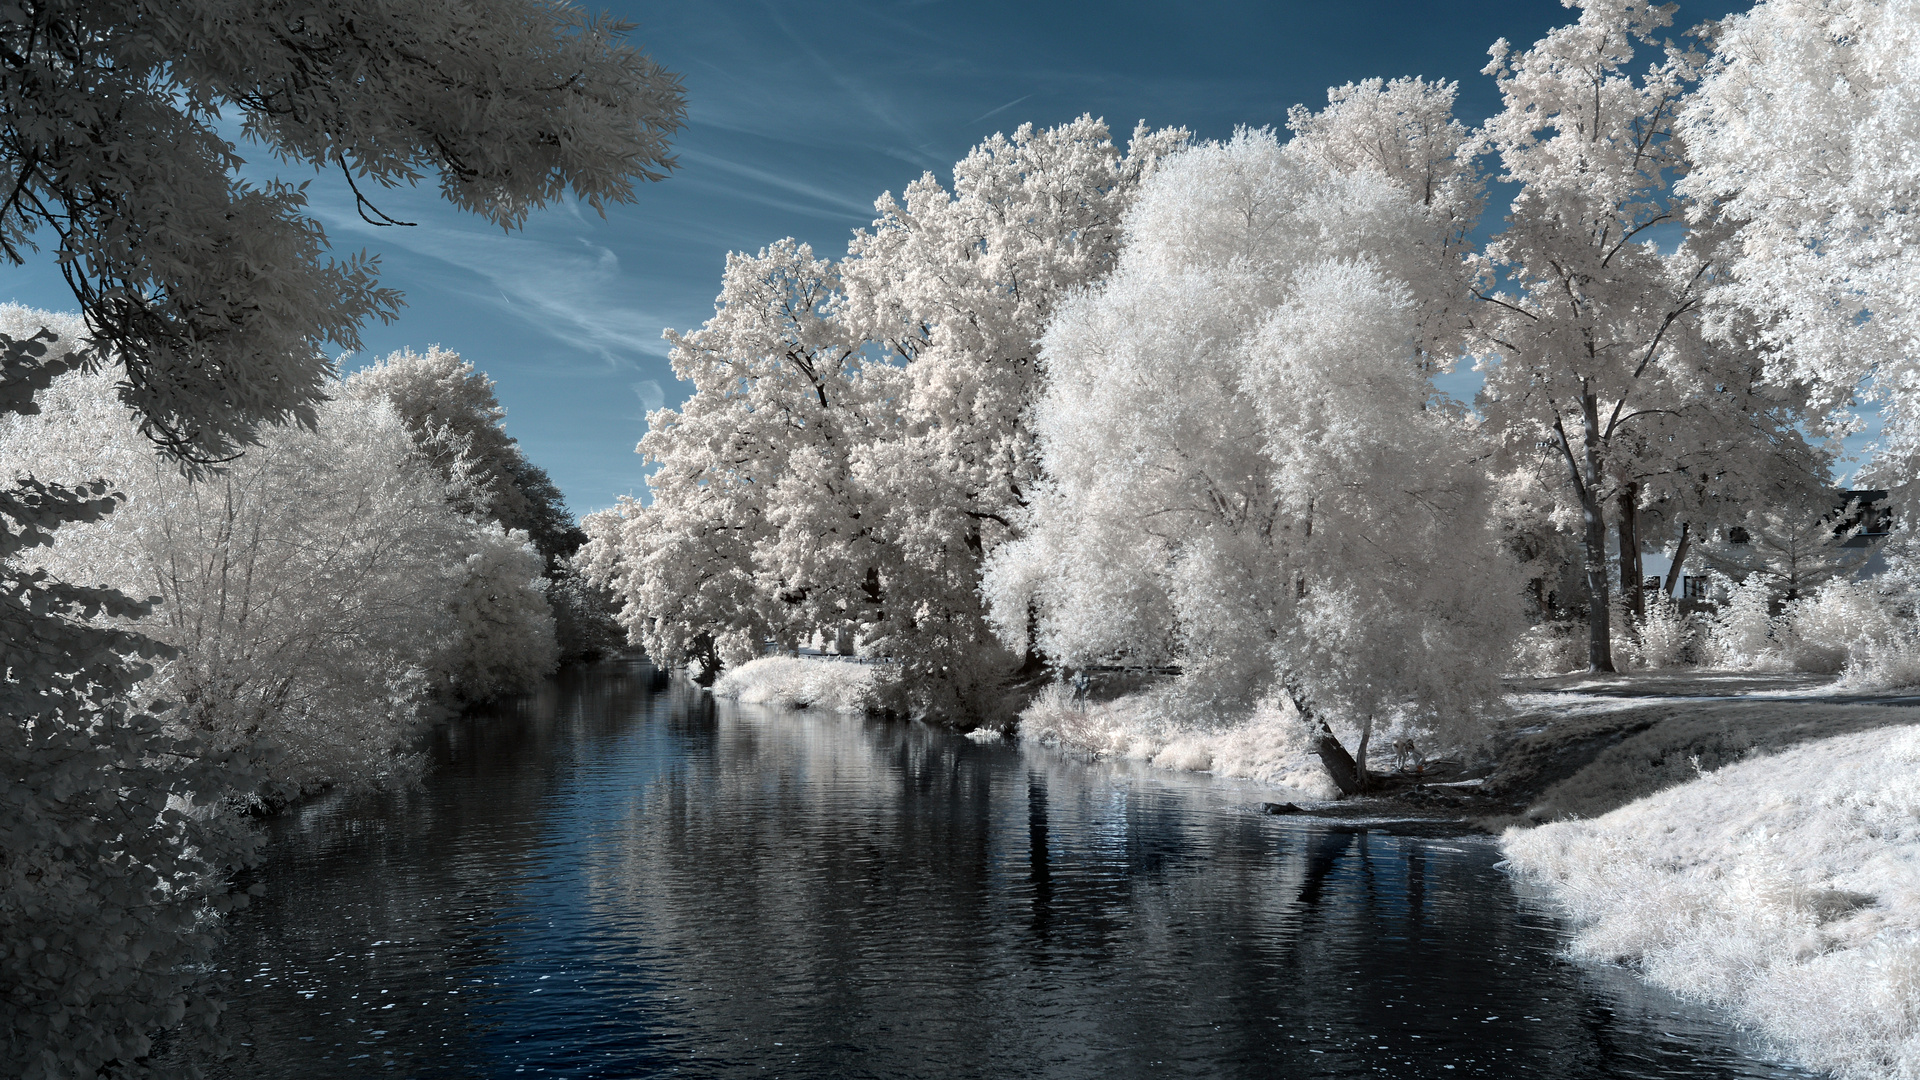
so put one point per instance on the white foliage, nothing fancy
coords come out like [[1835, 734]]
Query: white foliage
[[1784, 888], [1285, 507], [1661, 637], [1550, 648], [796, 683], [1596, 358], [503, 635], [1802, 136], [1740, 633], [856, 443], [214, 295], [1271, 744], [319, 588]]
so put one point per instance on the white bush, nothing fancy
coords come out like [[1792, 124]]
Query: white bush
[[318, 589], [1842, 620], [1271, 746], [795, 683], [1740, 634], [1661, 638], [1785, 888], [1892, 664], [1551, 648]]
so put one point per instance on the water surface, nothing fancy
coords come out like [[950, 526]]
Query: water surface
[[614, 880]]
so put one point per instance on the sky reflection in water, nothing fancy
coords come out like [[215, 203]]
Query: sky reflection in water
[[612, 881]]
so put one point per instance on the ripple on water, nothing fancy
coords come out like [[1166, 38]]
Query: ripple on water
[[608, 880]]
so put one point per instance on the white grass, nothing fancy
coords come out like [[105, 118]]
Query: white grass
[[1784, 888], [795, 683], [1270, 747]]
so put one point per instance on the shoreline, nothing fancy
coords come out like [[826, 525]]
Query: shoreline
[[1579, 746]]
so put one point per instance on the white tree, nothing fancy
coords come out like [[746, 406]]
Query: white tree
[[856, 443], [315, 592], [757, 457], [1802, 135], [112, 863], [1592, 335], [1404, 129], [1793, 548], [214, 296], [1290, 512]]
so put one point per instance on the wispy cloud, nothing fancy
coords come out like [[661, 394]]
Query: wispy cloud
[[823, 199], [566, 286], [998, 111], [650, 394]]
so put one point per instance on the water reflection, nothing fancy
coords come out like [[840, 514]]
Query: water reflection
[[611, 880]]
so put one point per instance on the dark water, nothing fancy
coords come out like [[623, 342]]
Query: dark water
[[609, 881]]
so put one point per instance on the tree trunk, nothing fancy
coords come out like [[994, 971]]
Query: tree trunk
[[1632, 572], [1679, 556], [1599, 628], [1339, 764], [1360, 759]]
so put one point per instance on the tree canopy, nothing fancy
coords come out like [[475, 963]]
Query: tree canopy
[[215, 296]]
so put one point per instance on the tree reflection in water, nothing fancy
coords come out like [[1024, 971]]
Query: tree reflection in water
[[616, 878]]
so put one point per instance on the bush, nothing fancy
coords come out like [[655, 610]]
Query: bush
[[316, 591], [1271, 745], [791, 682], [1661, 638], [1551, 648]]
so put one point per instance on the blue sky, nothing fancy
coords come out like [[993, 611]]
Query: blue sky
[[799, 116]]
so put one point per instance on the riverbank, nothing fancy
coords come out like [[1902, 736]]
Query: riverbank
[[1752, 842], [1784, 888], [1579, 746]]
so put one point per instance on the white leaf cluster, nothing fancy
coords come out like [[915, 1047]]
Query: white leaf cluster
[[1248, 473], [215, 295], [318, 590], [1804, 135]]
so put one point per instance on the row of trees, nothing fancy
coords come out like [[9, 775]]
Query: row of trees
[[1173, 406], [212, 301], [858, 444]]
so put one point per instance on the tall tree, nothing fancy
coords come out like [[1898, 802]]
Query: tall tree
[[214, 296], [1289, 514], [857, 442], [956, 286], [1802, 135], [1794, 548], [1592, 334], [107, 871], [753, 482], [457, 420]]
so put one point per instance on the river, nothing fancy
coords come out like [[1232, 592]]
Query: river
[[615, 878]]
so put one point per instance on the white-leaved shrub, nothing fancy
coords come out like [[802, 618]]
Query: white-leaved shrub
[[1550, 647], [318, 590], [1662, 637], [1270, 744], [796, 683], [1739, 634]]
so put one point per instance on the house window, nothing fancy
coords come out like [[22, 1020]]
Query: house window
[[1693, 587]]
